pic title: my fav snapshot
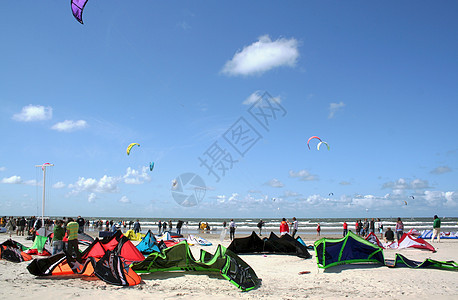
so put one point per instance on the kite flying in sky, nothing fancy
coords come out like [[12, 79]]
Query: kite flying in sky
[[311, 138], [320, 143], [151, 166], [77, 9], [130, 147]]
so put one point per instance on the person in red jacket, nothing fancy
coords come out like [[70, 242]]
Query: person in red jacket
[[318, 230], [345, 228], [284, 228]]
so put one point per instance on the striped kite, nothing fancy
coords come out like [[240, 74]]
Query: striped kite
[[77, 9]]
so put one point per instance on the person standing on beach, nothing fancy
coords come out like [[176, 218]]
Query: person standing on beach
[[72, 235], [232, 227], [345, 229], [365, 228], [21, 226], [170, 225], [179, 225], [81, 224], [159, 226], [164, 227], [436, 229], [372, 225], [380, 227], [260, 224], [137, 227], [357, 227], [284, 228], [57, 239], [295, 225], [318, 230], [399, 229]]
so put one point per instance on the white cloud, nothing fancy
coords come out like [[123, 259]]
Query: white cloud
[[12, 180], [304, 175], [124, 199], [451, 199], [32, 113], [2, 169], [334, 107], [69, 125], [59, 185], [106, 184], [256, 96], [18, 180], [220, 198], [402, 184], [262, 56], [288, 194], [253, 98], [275, 183], [91, 198], [441, 170], [32, 182], [184, 25], [133, 176]]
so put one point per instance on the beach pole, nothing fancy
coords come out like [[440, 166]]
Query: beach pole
[[43, 167]]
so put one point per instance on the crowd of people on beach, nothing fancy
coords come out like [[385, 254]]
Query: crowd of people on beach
[[366, 227], [22, 225]]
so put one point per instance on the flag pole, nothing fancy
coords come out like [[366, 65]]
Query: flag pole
[[43, 167]]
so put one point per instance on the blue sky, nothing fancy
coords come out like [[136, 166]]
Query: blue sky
[[376, 81]]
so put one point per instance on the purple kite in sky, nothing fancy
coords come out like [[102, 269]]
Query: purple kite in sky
[[77, 9]]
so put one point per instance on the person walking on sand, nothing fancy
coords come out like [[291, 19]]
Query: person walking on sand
[[284, 228], [295, 225], [399, 229], [10, 225], [436, 229], [232, 227], [318, 230], [345, 229]]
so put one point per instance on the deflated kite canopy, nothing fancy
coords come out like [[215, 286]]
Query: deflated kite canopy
[[112, 269], [409, 241], [283, 245], [371, 237], [350, 249], [12, 251], [179, 257], [148, 244], [402, 261], [60, 264]]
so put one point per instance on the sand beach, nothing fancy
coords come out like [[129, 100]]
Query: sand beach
[[279, 273]]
